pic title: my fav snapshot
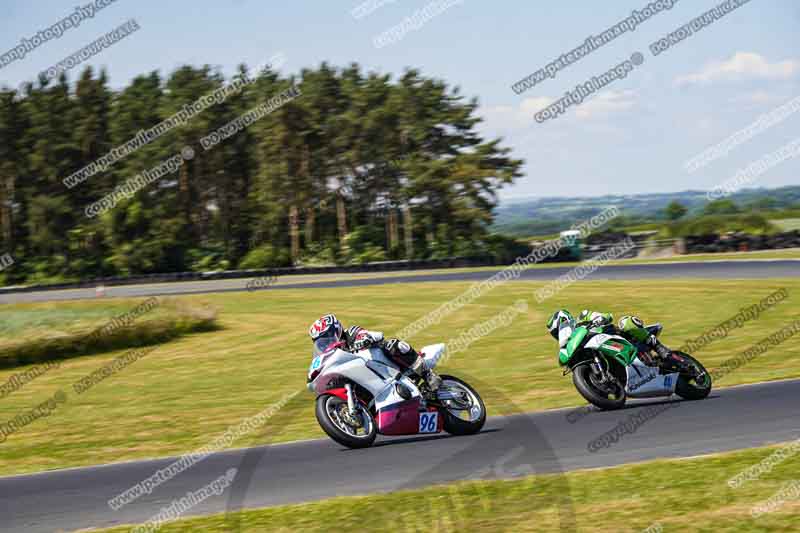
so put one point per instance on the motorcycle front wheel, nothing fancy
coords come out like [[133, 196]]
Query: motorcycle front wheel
[[334, 418], [463, 416], [603, 395]]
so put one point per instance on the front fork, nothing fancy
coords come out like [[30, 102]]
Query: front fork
[[597, 368], [351, 401], [355, 418], [606, 379]]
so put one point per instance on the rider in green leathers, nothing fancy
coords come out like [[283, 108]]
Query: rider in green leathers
[[632, 328]]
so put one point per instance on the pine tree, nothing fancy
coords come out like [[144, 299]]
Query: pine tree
[[336, 173]]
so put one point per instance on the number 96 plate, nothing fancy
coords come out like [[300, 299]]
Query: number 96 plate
[[429, 422]]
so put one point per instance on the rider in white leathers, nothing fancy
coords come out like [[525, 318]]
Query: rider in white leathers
[[357, 338]]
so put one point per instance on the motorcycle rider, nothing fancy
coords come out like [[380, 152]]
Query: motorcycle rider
[[629, 326], [328, 329]]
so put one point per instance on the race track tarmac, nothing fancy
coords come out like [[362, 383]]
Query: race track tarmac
[[545, 442], [738, 269]]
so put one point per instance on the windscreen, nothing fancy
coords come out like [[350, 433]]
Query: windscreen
[[565, 329], [324, 343]]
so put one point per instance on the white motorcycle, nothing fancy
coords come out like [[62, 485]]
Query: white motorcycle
[[364, 393]]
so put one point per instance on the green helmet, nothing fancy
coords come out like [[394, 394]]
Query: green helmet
[[557, 319]]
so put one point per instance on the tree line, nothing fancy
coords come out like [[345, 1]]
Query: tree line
[[359, 167]]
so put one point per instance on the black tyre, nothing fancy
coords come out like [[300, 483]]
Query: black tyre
[[333, 418], [604, 396], [696, 386], [455, 421]]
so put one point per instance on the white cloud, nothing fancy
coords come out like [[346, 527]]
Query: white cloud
[[504, 117], [501, 117], [534, 105], [704, 125], [754, 97], [742, 66], [606, 103]]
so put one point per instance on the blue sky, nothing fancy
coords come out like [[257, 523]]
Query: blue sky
[[634, 136]]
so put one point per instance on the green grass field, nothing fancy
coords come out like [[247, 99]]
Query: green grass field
[[787, 224], [190, 390], [677, 495]]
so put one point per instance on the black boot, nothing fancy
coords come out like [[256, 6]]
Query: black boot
[[431, 378], [667, 358], [663, 352]]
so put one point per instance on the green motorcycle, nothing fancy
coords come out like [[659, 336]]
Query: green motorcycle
[[608, 368]]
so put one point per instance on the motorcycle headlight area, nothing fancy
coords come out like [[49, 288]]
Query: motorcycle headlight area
[[564, 333]]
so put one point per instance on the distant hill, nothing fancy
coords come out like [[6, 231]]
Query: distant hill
[[538, 216]]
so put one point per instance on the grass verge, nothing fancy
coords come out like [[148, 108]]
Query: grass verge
[[673, 495], [186, 392]]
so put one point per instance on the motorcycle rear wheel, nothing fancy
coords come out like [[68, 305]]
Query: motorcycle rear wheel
[[688, 387], [329, 411], [454, 424]]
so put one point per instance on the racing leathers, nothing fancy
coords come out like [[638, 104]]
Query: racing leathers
[[358, 338], [632, 328]]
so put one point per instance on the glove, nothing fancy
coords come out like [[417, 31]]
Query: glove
[[364, 342], [359, 338], [594, 318]]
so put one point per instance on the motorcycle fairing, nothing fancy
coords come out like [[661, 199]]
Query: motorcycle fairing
[[389, 395], [432, 353], [371, 369], [342, 364], [613, 346], [574, 342], [403, 418], [398, 415], [646, 381], [339, 393]]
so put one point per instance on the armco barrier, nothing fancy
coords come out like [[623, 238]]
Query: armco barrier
[[742, 242], [383, 266]]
